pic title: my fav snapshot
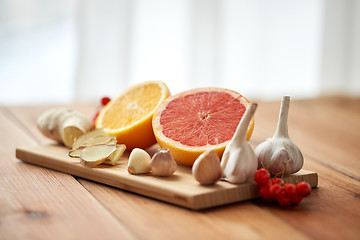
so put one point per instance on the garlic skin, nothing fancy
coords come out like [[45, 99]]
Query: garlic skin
[[206, 168], [239, 162], [162, 163], [279, 154]]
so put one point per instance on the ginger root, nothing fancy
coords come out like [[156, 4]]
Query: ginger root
[[63, 125]]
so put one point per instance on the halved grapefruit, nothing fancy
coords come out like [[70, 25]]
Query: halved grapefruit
[[197, 120]]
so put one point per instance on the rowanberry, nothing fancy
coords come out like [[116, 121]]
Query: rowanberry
[[296, 199], [264, 192], [275, 191], [289, 189], [262, 176], [303, 189], [277, 180], [283, 200], [105, 100]]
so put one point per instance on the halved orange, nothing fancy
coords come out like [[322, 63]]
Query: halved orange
[[129, 115], [197, 120]]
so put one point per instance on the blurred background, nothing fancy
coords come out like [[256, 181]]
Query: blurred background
[[61, 51]]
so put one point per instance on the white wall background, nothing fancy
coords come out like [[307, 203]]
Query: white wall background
[[79, 50]]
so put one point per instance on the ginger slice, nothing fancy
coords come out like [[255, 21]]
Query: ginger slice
[[97, 154], [116, 155], [94, 137], [75, 153]]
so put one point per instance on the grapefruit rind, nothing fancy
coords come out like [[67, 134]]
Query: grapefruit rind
[[188, 154], [139, 133]]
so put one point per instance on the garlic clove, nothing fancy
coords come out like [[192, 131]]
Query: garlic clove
[[139, 161], [162, 163], [206, 168]]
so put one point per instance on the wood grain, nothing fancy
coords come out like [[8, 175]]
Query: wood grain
[[318, 126], [181, 188], [37, 202]]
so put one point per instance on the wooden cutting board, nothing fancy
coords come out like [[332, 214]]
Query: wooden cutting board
[[181, 188]]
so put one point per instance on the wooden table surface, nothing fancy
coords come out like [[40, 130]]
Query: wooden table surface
[[39, 203]]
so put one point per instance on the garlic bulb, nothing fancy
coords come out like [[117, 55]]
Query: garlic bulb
[[239, 160], [162, 163], [279, 154]]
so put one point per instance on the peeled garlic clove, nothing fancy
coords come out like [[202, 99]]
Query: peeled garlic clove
[[162, 163], [97, 154], [139, 161], [206, 168]]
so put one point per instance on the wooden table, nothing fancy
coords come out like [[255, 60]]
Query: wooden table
[[39, 203]]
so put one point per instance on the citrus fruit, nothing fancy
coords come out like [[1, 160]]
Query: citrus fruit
[[129, 115], [197, 120]]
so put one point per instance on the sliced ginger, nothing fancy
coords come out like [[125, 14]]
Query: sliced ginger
[[75, 153], [97, 154], [93, 137], [96, 147], [116, 155]]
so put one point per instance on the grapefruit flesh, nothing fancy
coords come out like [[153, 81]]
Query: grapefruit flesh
[[197, 120]]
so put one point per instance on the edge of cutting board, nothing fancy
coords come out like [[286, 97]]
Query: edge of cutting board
[[180, 189]]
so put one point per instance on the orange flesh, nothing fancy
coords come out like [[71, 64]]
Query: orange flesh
[[203, 118], [136, 107]]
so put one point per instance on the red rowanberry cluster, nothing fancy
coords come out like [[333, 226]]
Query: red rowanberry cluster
[[103, 102], [274, 189]]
